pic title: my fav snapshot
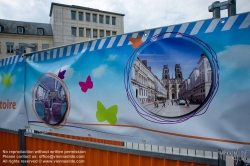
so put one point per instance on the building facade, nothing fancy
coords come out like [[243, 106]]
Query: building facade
[[197, 86], [68, 24], [71, 24], [173, 85], [146, 86], [18, 36]]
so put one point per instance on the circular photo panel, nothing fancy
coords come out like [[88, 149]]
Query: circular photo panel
[[171, 77], [51, 100]]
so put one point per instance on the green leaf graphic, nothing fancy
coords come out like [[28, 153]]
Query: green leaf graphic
[[103, 114]]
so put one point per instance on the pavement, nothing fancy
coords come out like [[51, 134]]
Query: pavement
[[170, 110]]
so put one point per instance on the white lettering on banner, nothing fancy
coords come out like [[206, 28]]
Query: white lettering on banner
[[233, 154]]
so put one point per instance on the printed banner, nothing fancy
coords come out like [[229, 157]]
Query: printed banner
[[183, 86], [12, 109]]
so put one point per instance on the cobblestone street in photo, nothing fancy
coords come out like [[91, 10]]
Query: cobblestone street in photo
[[170, 110]]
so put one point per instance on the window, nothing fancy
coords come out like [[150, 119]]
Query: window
[[101, 33], [88, 33], [107, 19], [208, 64], [202, 77], [39, 92], [80, 32], [33, 49], [107, 33], [45, 46], [101, 19], [80, 16], [40, 31], [88, 17], [73, 15], [113, 33], [209, 76], [113, 20], [73, 31], [94, 33], [22, 47], [20, 30], [10, 47], [94, 18]]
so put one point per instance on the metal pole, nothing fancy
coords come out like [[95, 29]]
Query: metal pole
[[217, 6], [231, 8], [216, 10], [22, 143]]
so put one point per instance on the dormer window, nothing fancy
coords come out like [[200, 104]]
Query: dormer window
[[1, 28], [40, 31], [20, 30]]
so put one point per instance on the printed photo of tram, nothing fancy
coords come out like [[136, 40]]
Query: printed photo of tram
[[50, 102], [171, 77]]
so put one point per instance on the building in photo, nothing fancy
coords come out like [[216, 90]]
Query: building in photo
[[172, 84], [197, 86], [146, 86], [160, 97], [68, 24]]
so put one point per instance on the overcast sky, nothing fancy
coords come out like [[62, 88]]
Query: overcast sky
[[139, 14]]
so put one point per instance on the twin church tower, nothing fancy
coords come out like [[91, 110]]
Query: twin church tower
[[173, 85]]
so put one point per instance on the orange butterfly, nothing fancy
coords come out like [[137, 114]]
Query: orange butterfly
[[136, 42]]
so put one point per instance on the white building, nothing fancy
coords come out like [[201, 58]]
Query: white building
[[71, 24], [146, 86], [197, 86]]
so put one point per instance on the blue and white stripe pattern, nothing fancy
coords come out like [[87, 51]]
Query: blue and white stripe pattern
[[11, 60], [194, 28]]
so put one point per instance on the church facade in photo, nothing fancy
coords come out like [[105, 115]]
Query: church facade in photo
[[172, 84]]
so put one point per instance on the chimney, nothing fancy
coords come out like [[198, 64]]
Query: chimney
[[149, 68]]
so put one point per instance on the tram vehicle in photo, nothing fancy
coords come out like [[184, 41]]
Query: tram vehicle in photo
[[51, 103]]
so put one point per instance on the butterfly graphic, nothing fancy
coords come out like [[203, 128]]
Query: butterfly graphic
[[103, 114], [61, 74], [86, 85], [136, 42], [6, 79]]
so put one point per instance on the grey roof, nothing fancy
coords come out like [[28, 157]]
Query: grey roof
[[82, 7], [30, 28]]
